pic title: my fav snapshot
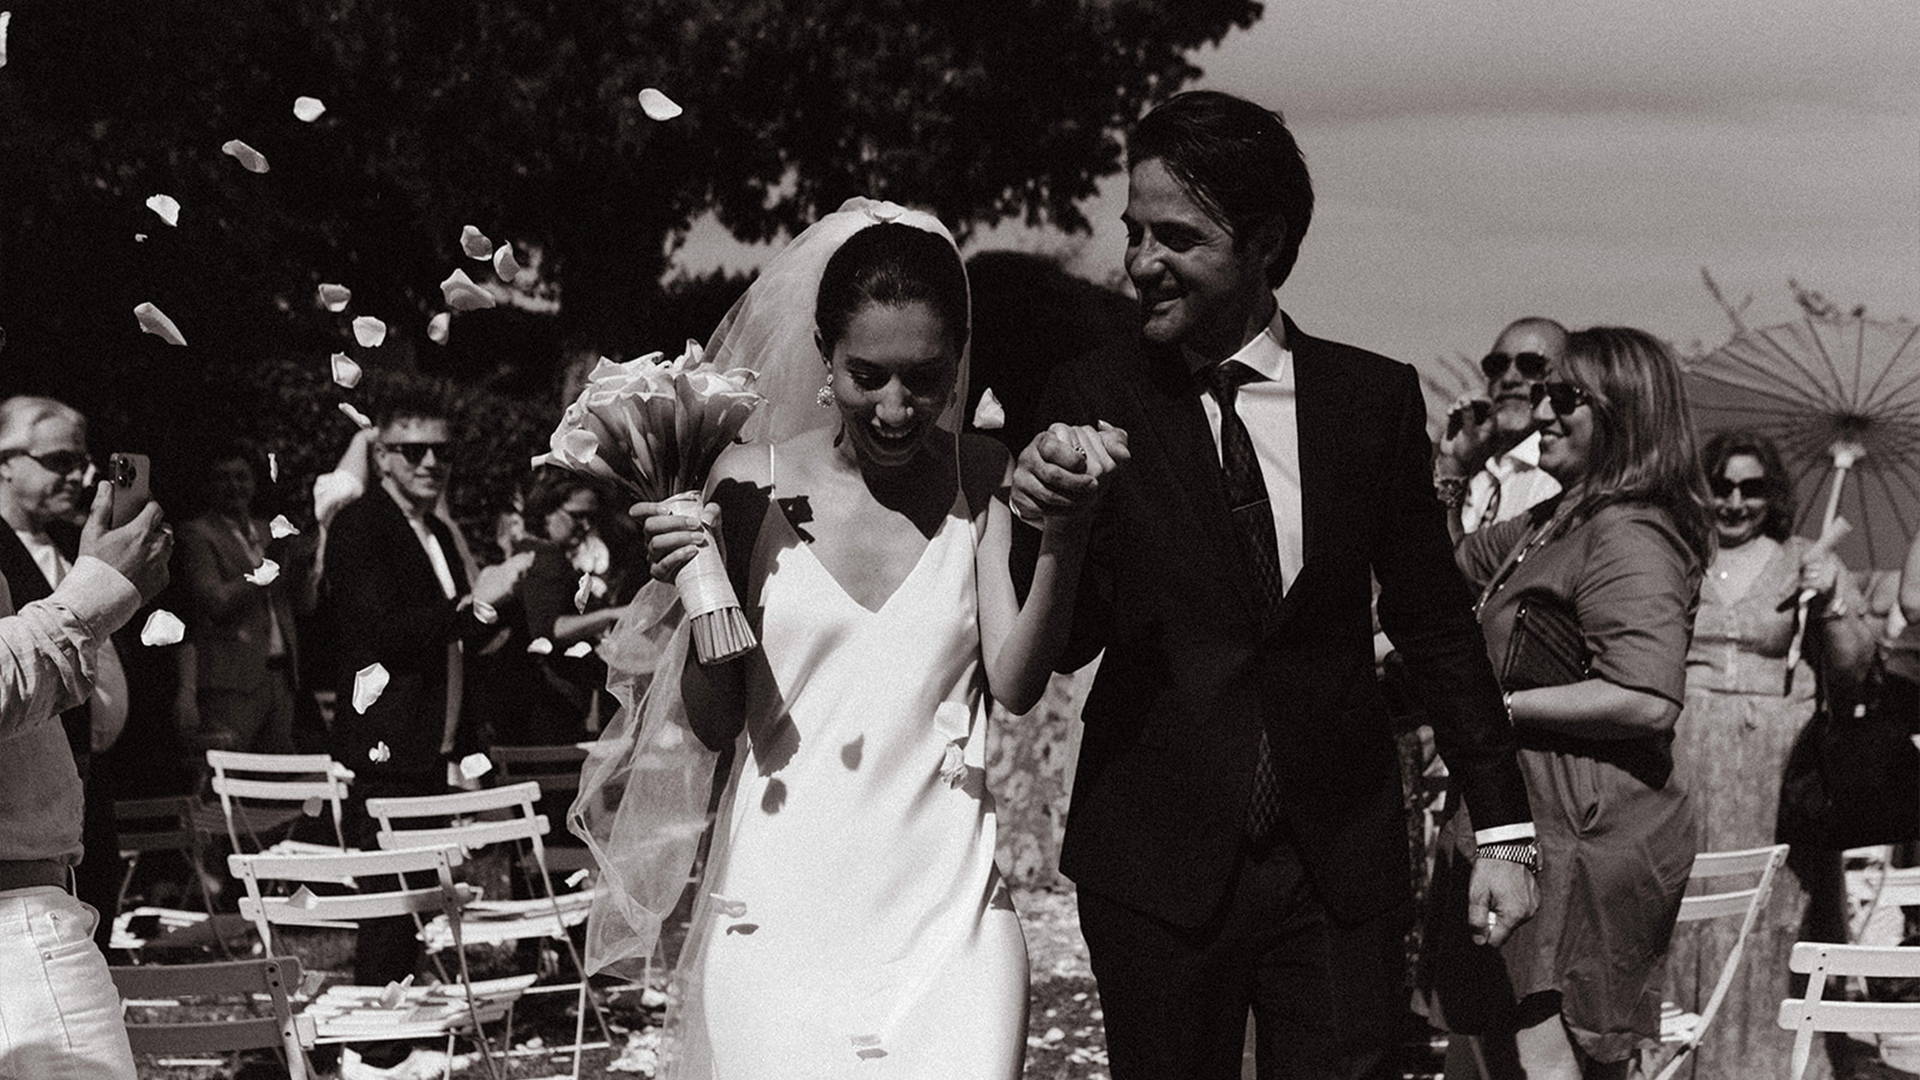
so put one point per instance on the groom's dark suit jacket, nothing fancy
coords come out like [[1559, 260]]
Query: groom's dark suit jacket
[[1173, 719]]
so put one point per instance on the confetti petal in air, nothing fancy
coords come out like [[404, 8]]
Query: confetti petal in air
[[313, 806], [989, 415], [163, 628], [475, 243], [5, 18], [475, 766], [356, 415], [369, 331], [657, 105], [540, 646], [380, 754], [154, 321], [505, 265], [437, 328], [345, 371], [308, 109], [462, 294], [390, 997], [583, 595], [273, 467], [250, 159], [139, 238], [281, 528], [731, 908], [368, 684], [265, 574], [579, 649], [335, 297], [167, 207], [574, 879]]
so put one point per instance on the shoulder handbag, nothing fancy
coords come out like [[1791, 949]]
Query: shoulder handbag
[[1853, 776]]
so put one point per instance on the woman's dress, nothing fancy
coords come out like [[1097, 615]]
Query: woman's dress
[[1613, 823], [1732, 744], [862, 928]]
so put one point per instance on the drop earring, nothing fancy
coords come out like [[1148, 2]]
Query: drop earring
[[824, 396]]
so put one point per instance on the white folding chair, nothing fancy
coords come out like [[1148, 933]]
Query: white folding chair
[[557, 770], [347, 1014], [501, 815], [1815, 1013], [159, 988], [1682, 1031], [167, 825], [293, 786]]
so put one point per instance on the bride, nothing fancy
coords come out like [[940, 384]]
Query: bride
[[850, 920]]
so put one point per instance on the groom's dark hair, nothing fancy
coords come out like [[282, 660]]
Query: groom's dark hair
[[1237, 160]]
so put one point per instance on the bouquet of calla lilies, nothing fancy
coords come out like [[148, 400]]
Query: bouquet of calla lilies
[[653, 428]]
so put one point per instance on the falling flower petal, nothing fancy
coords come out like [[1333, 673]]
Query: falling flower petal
[[369, 331], [437, 328], [139, 238], [155, 322], [368, 684], [475, 243], [265, 574], [579, 649], [313, 806], [651, 998], [540, 646], [462, 294], [505, 265], [345, 371], [989, 415], [574, 879], [475, 766], [380, 754], [335, 297], [310, 983], [5, 18], [281, 528], [356, 415], [249, 158], [273, 467], [167, 207], [163, 628], [390, 997], [308, 109], [303, 898], [583, 595], [657, 105], [732, 909]]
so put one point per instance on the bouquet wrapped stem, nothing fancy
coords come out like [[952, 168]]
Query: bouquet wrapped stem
[[720, 628]]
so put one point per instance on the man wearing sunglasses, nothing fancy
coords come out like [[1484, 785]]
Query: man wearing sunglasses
[[1491, 440]]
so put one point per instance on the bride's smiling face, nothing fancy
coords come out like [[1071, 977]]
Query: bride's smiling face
[[893, 374]]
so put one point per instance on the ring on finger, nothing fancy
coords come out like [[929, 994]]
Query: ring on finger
[[1078, 450]]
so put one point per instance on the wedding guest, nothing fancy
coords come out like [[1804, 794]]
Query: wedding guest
[[1744, 710], [1587, 602], [1509, 482]]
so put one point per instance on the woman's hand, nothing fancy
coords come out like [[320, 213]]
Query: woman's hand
[[673, 539], [1059, 474], [1820, 573], [1468, 440]]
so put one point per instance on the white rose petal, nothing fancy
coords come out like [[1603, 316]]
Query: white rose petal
[[167, 207], [461, 294], [368, 684], [281, 528], [5, 18], [308, 109], [345, 371], [303, 898], [989, 415], [163, 628], [583, 595], [475, 243], [395, 991], [313, 806], [356, 416], [574, 879], [651, 998], [505, 265], [139, 238], [273, 467], [265, 574], [437, 328], [380, 753], [475, 766], [369, 331], [335, 297], [578, 649], [540, 646], [250, 159], [657, 105], [154, 321]]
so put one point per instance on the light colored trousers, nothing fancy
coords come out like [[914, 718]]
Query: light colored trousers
[[59, 1011]]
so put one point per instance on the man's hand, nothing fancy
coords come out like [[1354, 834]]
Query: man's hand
[[1500, 896], [1468, 440], [1058, 474], [139, 550], [497, 582]]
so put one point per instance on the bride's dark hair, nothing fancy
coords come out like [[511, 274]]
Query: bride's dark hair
[[892, 265]]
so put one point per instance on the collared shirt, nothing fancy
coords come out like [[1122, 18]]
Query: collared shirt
[[1266, 406], [437, 558], [1518, 478], [107, 708]]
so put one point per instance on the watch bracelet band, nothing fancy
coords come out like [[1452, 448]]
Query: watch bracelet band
[[1450, 490], [1524, 852]]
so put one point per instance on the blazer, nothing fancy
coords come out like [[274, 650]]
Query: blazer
[[388, 609], [231, 618], [1173, 719]]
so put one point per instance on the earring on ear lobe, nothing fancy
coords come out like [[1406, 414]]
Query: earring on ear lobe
[[824, 396]]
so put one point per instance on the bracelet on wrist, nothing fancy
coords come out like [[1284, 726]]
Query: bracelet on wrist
[[1506, 699], [1450, 490]]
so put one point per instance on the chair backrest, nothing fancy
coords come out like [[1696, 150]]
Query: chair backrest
[[295, 778], [273, 978], [163, 824], [304, 908], [555, 768], [1813, 1013], [1744, 901], [521, 823]]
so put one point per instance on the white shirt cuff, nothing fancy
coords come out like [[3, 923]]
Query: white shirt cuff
[[1504, 834]]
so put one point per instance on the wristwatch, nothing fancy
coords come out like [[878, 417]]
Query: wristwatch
[[1524, 852]]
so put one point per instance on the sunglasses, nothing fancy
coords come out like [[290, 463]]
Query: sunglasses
[[1563, 396], [1532, 365], [1753, 487], [416, 452], [58, 462]]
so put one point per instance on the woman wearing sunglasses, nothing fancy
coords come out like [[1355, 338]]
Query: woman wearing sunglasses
[[1744, 709], [1586, 602]]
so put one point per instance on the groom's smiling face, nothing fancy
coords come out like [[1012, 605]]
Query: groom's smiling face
[[1198, 289]]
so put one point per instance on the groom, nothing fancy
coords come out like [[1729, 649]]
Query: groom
[[1236, 832]]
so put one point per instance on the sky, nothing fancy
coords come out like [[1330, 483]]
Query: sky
[[1480, 160]]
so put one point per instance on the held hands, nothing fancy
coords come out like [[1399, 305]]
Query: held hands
[[139, 550], [1500, 896], [1058, 474], [495, 583], [1468, 440], [673, 539]]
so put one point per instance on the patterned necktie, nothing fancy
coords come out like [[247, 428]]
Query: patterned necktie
[[1252, 514], [1491, 515]]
